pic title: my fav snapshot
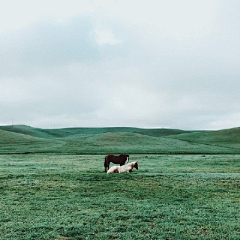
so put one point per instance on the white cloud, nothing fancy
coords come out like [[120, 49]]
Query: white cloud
[[16, 14], [224, 121], [105, 37]]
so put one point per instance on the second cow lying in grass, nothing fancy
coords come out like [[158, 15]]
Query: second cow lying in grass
[[125, 168]]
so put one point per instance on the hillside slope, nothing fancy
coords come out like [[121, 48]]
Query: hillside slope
[[11, 142], [25, 139], [228, 137], [71, 132], [136, 143]]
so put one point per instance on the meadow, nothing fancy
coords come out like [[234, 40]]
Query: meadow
[[69, 196]]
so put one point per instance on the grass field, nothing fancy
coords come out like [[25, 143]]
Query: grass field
[[50, 196]]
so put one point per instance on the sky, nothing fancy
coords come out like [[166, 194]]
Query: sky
[[120, 63]]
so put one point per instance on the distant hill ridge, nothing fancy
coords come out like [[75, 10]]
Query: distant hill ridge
[[66, 132], [26, 139]]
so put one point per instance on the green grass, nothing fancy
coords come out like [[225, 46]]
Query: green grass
[[69, 132], [228, 137], [49, 196], [25, 139]]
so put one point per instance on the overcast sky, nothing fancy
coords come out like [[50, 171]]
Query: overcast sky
[[136, 63]]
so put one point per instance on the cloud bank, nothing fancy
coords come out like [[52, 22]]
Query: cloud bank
[[120, 63]]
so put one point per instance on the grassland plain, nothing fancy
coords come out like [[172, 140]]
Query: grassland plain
[[50, 196]]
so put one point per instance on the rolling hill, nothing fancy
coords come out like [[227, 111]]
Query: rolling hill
[[26, 139], [227, 138]]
